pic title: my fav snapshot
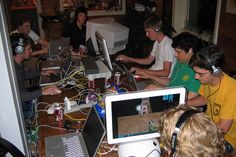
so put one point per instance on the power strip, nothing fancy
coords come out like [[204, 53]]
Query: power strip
[[77, 107]]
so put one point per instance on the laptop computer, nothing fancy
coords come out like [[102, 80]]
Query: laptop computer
[[85, 143], [136, 85], [57, 47], [63, 72]]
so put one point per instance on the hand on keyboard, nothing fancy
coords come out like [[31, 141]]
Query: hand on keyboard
[[122, 58]]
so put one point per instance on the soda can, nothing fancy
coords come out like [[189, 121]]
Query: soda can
[[117, 78], [59, 111]]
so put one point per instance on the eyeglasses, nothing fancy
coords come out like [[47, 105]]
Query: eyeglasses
[[201, 74]]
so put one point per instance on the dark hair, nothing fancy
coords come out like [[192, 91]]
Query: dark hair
[[185, 41], [21, 19], [153, 22], [208, 57], [15, 37], [78, 10]]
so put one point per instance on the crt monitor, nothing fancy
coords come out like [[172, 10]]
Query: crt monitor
[[133, 116], [115, 34], [102, 46]]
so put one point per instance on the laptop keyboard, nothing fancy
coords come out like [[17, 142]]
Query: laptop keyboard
[[72, 147], [55, 78]]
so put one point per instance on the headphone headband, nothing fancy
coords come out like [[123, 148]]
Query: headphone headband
[[183, 118], [216, 71]]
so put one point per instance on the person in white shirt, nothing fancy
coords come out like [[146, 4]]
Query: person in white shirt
[[162, 51], [24, 26]]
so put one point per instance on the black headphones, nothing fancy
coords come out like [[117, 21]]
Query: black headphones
[[185, 116], [19, 46], [216, 71]]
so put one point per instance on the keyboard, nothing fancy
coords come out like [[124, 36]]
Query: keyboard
[[118, 65], [90, 65], [72, 147], [55, 78]]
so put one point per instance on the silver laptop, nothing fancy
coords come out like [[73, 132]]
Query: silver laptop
[[59, 46], [84, 144], [63, 72], [136, 85]]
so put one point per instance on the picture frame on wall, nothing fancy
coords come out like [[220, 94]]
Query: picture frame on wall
[[106, 7], [230, 6]]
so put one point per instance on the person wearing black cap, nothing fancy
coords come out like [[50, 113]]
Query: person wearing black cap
[[76, 30]]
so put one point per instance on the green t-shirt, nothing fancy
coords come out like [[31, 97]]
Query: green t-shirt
[[183, 75]]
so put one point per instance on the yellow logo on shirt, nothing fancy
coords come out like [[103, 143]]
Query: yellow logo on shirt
[[185, 77]]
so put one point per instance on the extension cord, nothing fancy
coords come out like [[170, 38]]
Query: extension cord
[[77, 107]]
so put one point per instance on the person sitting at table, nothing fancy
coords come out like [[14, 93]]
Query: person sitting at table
[[218, 91], [162, 52], [187, 132], [23, 22], [185, 45], [21, 50], [76, 30]]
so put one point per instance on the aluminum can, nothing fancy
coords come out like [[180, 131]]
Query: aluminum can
[[59, 111], [117, 78]]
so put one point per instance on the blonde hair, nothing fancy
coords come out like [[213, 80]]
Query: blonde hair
[[198, 136]]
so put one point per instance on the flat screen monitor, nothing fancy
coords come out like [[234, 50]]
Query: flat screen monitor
[[102, 46], [133, 116]]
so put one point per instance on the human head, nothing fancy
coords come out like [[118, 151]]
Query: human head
[[198, 135], [186, 44], [21, 45], [207, 63], [153, 26], [81, 15], [24, 24]]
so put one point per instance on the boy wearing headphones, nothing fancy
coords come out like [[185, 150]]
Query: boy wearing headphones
[[218, 91], [21, 50], [162, 52], [186, 132]]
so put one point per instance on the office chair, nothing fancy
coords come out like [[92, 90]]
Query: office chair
[[8, 147]]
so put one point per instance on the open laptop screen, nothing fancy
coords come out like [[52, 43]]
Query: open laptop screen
[[129, 117]]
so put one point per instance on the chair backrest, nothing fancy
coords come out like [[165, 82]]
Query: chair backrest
[[8, 147]]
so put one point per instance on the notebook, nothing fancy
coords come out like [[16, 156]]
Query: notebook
[[136, 85], [57, 47], [84, 144], [63, 72]]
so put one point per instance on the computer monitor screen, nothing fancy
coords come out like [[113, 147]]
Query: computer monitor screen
[[134, 116], [102, 46]]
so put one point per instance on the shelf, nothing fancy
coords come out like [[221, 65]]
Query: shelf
[[26, 7]]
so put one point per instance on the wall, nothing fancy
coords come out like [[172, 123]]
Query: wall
[[12, 124], [227, 38]]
